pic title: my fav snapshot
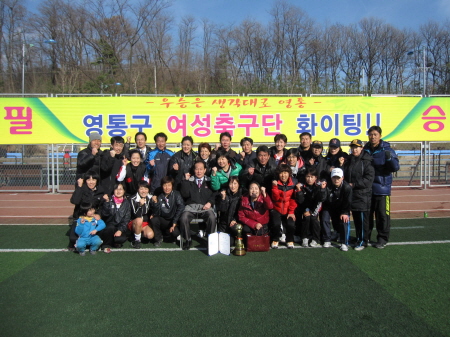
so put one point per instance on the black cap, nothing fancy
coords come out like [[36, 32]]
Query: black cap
[[334, 142], [356, 142], [317, 144]]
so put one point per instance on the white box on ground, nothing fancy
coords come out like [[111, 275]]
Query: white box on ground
[[218, 243]]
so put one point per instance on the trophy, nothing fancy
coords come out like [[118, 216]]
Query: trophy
[[239, 249]]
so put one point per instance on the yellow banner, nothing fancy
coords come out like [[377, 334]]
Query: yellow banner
[[70, 120]]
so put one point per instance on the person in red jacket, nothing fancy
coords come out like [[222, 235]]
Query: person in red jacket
[[285, 195], [254, 210]]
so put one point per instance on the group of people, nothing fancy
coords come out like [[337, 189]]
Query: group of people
[[293, 195]]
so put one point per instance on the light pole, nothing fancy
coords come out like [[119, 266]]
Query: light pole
[[50, 41], [424, 68]]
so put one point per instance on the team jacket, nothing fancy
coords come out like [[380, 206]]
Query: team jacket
[[320, 163], [138, 210], [220, 180], [83, 229], [284, 197], [383, 168], [87, 161], [131, 176], [251, 216], [170, 209], [185, 163], [313, 198], [339, 199], [228, 208], [360, 172], [85, 194], [160, 169], [119, 217]]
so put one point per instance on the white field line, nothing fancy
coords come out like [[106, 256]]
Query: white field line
[[421, 210], [421, 202], [202, 248]]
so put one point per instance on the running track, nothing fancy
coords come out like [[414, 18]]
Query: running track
[[47, 208]]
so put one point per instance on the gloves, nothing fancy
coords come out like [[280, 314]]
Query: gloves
[[387, 155]]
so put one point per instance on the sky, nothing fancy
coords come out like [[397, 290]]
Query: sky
[[409, 14], [400, 13]]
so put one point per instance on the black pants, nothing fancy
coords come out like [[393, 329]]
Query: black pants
[[161, 228], [310, 225], [108, 238], [361, 220], [185, 220], [277, 220], [381, 208]]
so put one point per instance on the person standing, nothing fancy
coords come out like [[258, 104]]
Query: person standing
[[385, 162], [359, 173]]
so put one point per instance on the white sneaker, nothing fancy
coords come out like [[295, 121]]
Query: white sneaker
[[314, 244], [305, 243], [344, 248], [297, 239], [200, 234], [326, 244], [283, 238], [359, 247]]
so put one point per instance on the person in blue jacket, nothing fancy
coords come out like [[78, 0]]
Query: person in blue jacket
[[87, 229], [158, 162], [385, 162]]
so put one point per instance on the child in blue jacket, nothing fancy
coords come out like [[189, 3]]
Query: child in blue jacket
[[87, 229]]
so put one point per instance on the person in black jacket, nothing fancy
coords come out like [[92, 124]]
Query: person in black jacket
[[199, 202], [87, 191], [116, 212], [90, 158], [111, 161], [260, 170], [335, 157], [359, 173], [167, 209], [182, 161], [247, 154], [132, 173], [314, 194], [227, 206], [140, 213], [278, 151], [318, 161], [337, 209]]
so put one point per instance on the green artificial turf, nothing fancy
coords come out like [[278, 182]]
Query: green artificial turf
[[418, 276], [308, 292], [399, 291]]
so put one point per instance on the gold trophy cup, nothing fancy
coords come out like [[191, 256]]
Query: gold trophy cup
[[239, 249]]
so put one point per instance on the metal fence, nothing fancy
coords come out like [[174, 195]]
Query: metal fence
[[52, 167]]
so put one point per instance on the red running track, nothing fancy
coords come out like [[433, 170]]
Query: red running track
[[47, 208]]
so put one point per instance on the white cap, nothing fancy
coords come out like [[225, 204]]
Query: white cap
[[337, 172]]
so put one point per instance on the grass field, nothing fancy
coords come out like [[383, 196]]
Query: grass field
[[402, 290]]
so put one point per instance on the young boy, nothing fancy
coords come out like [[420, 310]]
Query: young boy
[[87, 229], [314, 195], [140, 209], [338, 209]]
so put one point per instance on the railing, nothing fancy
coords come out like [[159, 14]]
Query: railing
[[52, 168]]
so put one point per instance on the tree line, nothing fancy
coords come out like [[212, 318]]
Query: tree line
[[135, 47]]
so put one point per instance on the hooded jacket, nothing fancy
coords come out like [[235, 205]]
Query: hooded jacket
[[384, 168], [359, 172]]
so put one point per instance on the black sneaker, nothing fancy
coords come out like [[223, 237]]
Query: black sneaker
[[136, 244], [157, 243], [380, 245]]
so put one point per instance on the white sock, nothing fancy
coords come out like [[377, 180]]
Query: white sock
[[137, 237]]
